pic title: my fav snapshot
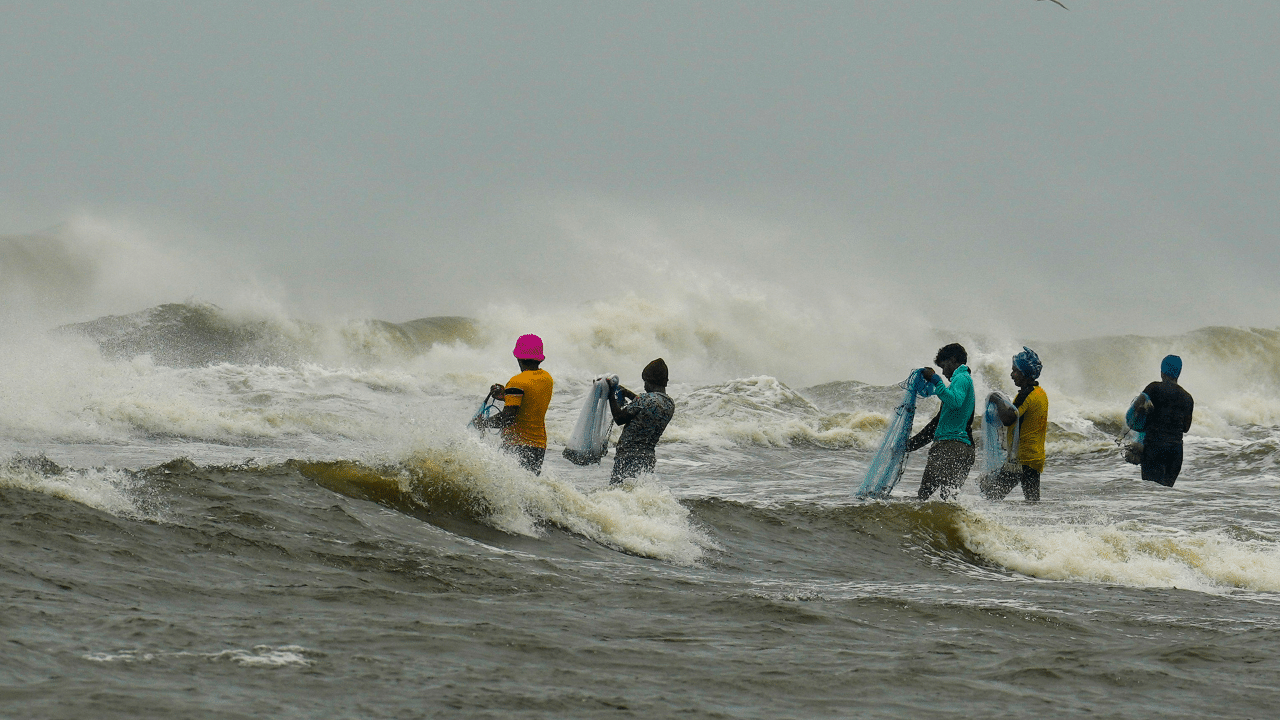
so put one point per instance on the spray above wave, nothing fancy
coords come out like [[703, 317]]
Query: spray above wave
[[93, 266], [197, 371], [1216, 358], [195, 334], [763, 411], [706, 344]]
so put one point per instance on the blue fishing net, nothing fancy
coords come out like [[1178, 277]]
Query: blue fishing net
[[589, 441], [994, 453], [1132, 438], [1136, 416], [486, 409], [887, 464]]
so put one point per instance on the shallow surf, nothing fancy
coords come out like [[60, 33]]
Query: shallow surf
[[315, 537]]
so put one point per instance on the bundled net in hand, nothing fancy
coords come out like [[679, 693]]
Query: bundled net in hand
[[995, 456], [890, 459], [590, 439]]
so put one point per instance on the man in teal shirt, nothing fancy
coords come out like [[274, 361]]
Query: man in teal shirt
[[951, 456]]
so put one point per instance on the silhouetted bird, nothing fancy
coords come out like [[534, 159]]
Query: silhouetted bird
[[1055, 2]]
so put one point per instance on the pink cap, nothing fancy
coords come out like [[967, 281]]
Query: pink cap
[[529, 347]]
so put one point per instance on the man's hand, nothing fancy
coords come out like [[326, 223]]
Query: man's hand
[[1007, 413], [927, 373], [496, 391]]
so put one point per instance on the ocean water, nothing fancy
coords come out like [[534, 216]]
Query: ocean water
[[208, 513]]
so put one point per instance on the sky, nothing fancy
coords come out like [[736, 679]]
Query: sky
[[994, 165]]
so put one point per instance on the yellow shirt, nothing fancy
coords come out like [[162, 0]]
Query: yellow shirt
[[530, 391], [1032, 426]]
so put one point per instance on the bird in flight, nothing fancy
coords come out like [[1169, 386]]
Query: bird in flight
[[1055, 2]]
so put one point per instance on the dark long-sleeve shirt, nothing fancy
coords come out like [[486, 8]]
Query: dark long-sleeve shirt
[[1170, 414]]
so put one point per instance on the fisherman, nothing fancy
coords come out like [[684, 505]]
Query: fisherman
[[1168, 417], [645, 417], [1030, 410], [526, 397], [950, 431]]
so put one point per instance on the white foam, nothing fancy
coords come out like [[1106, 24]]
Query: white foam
[[261, 656], [109, 490], [642, 518], [363, 386], [62, 391], [266, 656], [1129, 554]]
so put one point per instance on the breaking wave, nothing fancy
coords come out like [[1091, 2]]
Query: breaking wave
[[739, 364]]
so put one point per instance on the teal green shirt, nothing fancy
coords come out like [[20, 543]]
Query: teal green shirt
[[957, 406]]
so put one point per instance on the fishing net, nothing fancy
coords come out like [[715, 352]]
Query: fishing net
[[589, 441], [994, 453], [486, 409], [1136, 416], [996, 458], [1132, 437], [889, 461]]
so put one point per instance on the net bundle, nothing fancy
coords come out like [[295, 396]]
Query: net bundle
[[887, 464]]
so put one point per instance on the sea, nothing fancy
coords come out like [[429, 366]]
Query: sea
[[209, 512]]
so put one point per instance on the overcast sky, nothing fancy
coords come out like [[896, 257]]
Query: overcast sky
[[1111, 168]]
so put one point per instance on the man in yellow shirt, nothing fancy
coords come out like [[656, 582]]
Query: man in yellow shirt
[[526, 398], [1030, 412]]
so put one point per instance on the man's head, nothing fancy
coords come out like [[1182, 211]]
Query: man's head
[[654, 375], [950, 357], [1026, 367], [528, 352], [1171, 368]]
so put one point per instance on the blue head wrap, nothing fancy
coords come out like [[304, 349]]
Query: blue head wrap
[[1171, 366], [1028, 363]]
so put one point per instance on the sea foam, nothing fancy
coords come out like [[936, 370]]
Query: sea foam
[[1127, 553]]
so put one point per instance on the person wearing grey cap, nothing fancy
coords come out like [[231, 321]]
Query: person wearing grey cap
[[645, 417]]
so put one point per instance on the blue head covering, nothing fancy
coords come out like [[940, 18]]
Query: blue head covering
[[1028, 363], [1171, 366]]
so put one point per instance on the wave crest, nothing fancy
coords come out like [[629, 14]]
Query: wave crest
[[469, 482], [197, 334]]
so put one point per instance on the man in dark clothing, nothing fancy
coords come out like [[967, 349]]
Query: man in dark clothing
[[1167, 419], [645, 417]]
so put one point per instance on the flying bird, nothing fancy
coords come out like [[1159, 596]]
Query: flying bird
[[1055, 2]]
